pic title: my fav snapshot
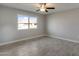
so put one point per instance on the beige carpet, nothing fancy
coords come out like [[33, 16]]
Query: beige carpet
[[43, 46]]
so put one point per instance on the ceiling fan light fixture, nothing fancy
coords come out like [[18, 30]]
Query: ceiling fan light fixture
[[42, 9]]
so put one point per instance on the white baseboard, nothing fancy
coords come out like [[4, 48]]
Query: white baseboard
[[1, 44], [58, 37]]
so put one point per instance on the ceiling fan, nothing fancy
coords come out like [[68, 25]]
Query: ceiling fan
[[44, 8]]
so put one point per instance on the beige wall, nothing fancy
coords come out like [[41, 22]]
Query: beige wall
[[64, 24], [8, 25]]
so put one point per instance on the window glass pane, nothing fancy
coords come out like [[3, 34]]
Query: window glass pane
[[22, 19], [22, 26], [33, 25], [33, 22], [22, 22]]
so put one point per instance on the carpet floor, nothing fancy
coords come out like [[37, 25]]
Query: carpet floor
[[43, 46]]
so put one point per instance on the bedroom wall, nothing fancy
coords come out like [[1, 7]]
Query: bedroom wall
[[8, 25], [64, 25]]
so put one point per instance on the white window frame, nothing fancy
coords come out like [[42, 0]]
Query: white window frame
[[28, 23]]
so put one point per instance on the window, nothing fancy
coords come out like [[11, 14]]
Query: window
[[26, 22], [33, 22]]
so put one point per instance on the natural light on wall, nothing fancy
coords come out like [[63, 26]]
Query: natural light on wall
[[26, 22]]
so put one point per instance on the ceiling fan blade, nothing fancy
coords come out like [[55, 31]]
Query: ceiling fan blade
[[44, 3], [50, 8], [46, 10], [38, 10]]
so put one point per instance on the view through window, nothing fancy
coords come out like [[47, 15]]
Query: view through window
[[26, 22]]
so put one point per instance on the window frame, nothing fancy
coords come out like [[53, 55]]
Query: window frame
[[28, 22]]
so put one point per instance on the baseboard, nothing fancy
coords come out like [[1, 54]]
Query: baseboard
[[10, 42], [29, 38], [67, 39]]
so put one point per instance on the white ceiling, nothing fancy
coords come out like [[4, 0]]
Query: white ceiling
[[34, 6]]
